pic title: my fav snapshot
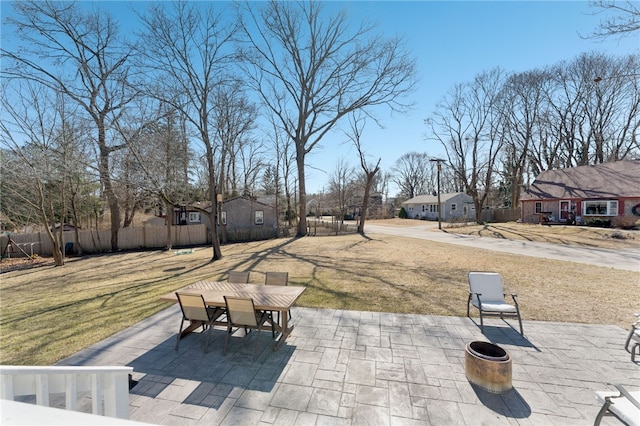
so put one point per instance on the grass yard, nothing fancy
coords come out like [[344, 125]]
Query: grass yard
[[48, 313], [582, 236]]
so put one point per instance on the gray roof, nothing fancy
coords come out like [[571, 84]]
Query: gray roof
[[615, 179], [433, 199]]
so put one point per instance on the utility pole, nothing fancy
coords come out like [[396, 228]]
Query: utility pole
[[439, 161]]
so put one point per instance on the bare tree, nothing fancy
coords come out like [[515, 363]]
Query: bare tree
[[311, 70], [369, 170], [34, 160], [79, 55], [341, 188], [624, 21], [187, 51], [524, 96], [466, 124], [234, 117], [411, 173], [155, 169], [284, 159]]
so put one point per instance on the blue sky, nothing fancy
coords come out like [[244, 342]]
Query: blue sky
[[452, 41]]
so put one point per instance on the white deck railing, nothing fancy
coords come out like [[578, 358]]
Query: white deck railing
[[109, 386]]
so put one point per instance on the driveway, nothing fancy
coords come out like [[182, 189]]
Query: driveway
[[628, 260]]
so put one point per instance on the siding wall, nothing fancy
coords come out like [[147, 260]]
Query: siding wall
[[625, 206]]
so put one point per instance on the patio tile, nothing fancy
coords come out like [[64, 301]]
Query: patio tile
[[293, 397], [324, 401], [361, 372], [348, 367], [371, 395]]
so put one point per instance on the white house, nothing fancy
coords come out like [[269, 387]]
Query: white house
[[455, 206]]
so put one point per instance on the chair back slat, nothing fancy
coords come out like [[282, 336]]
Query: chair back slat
[[241, 311], [193, 307], [277, 278], [488, 284], [241, 277]]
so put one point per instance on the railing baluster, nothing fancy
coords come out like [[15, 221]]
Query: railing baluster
[[71, 394], [109, 386], [96, 394], [6, 390], [42, 389]]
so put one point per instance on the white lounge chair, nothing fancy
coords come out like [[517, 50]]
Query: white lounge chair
[[632, 345], [486, 294], [623, 405]]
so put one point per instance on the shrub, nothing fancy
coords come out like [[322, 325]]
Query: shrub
[[626, 222], [598, 222], [402, 214]]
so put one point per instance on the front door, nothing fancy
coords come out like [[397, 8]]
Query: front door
[[564, 211]]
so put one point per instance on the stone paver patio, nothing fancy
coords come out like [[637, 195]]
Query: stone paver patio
[[365, 368]]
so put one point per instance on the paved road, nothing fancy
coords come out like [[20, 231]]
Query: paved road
[[628, 260]]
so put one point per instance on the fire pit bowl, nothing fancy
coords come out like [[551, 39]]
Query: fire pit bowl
[[488, 366]]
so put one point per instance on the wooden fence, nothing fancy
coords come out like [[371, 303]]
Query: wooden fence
[[96, 241], [138, 238]]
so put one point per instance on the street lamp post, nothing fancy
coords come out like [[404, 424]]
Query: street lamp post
[[439, 161]]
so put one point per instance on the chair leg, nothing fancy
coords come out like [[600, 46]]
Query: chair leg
[[206, 343], [634, 349], [481, 322], [226, 337], [468, 303], [520, 322], [179, 336], [255, 349], [273, 327], [602, 413]]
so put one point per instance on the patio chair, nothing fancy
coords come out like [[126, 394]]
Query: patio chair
[[623, 405], [241, 313], [238, 277], [195, 310], [277, 278], [486, 294], [632, 345]]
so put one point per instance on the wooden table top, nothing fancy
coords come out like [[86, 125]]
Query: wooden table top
[[265, 297]]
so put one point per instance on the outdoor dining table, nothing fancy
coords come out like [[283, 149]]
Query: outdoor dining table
[[265, 298]]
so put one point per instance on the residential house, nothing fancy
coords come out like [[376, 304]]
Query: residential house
[[609, 191], [241, 219], [455, 206]]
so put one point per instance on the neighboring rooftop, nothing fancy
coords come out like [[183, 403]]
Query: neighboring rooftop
[[615, 179]]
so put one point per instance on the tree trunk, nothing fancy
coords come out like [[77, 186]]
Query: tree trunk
[[213, 217], [112, 200], [169, 207], [365, 204], [302, 220]]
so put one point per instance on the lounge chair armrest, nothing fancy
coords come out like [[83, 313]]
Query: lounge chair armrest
[[623, 392]]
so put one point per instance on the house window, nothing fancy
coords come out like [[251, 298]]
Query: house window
[[194, 217], [538, 206], [223, 218], [259, 217], [465, 210], [453, 207], [600, 208]]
